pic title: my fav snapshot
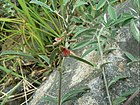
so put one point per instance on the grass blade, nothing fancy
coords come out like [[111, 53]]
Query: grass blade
[[10, 72], [45, 58], [11, 52]]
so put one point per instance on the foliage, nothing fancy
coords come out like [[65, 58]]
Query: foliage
[[44, 32]]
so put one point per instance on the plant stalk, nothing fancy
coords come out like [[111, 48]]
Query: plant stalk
[[106, 87], [60, 84], [60, 70]]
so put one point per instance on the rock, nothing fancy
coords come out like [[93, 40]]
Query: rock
[[78, 74]]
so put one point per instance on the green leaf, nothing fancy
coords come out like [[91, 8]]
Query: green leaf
[[84, 30], [129, 92], [41, 4], [72, 94], [135, 31], [100, 4], [112, 13], [130, 56], [83, 60], [45, 58], [123, 17], [53, 54], [115, 79], [88, 51], [11, 52], [8, 71], [76, 19], [81, 44], [79, 3], [119, 100], [50, 99]]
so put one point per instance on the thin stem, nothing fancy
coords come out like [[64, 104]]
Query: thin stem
[[60, 82], [106, 87], [103, 72]]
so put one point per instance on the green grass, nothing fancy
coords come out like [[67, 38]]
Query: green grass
[[30, 35]]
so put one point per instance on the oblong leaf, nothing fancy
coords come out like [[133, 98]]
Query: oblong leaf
[[129, 92], [79, 3], [130, 56], [74, 93], [135, 31], [81, 44], [115, 79], [100, 4], [88, 51], [112, 13], [122, 18], [119, 100], [84, 30], [83, 60]]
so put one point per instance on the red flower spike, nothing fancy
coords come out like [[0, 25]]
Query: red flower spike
[[65, 52]]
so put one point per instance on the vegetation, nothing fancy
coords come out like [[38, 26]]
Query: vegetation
[[37, 35]]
